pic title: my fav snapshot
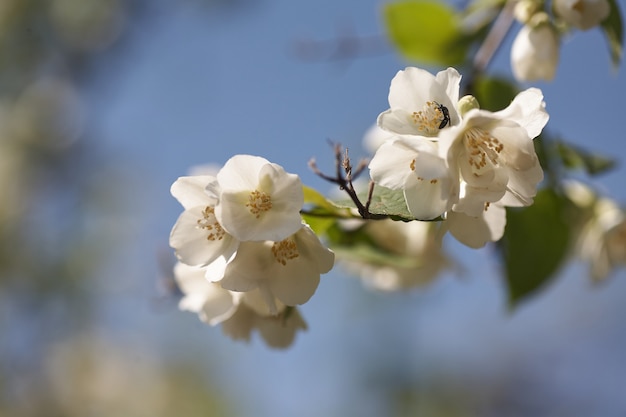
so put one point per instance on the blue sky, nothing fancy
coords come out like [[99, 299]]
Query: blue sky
[[198, 85]]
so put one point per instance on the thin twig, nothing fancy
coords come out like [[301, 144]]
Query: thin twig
[[344, 177], [494, 38]]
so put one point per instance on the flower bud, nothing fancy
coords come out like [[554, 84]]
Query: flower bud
[[582, 14], [535, 51], [467, 103], [525, 9]]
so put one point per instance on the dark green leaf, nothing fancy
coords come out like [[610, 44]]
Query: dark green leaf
[[426, 31], [535, 244], [614, 32]]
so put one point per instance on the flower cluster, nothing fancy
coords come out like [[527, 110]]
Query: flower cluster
[[246, 257], [535, 50], [454, 160]]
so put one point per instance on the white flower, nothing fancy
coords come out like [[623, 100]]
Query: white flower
[[412, 164], [209, 300], [582, 14], [411, 251], [258, 200], [374, 137], [197, 237], [476, 231], [288, 270], [603, 239], [421, 103], [277, 331], [238, 313], [535, 53], [494, 156]]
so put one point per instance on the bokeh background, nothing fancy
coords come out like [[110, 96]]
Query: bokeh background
[[104, 103]]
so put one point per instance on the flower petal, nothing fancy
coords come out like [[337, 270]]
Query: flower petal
[[190, 191], [475, 232], [192, 244]]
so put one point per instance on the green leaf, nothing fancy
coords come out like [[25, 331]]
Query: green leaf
[[614, 32], [390, 203], [426, 31], [357, 245], [494, 93], [574, 157], [321, 213], [535, 244]]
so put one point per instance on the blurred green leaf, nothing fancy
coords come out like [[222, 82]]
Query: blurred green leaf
[[574, 157], [357, 245], [426, 31], [494, 93], [614, 32], [535, 244]]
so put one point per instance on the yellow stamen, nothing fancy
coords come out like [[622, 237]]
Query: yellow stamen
[[210, 224], [259, 202], [285, 250]]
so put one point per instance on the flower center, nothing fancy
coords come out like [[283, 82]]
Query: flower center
[[431, 118], [210, 224], [285, 250], [481, 148], [258, 203]]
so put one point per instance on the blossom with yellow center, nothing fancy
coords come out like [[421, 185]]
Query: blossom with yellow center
[[287, 271], [493, 154], [258, 200], [198, 237], [421, 103]]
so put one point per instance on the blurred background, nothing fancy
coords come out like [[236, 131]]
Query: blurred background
[[104, 103]]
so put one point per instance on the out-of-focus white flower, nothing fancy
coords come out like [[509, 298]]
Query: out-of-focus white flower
[[209, 300], [535, 53], [413, 164], [238, 313], [476, 231], [494, 156], [374, 137], [258, 200], [415, 257], [603, 239], [288, 270], [198, 237], [582, 14], [421, 103], [278, 331]]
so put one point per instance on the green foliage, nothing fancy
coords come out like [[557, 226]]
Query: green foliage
[[614, 32], [574, 157], [321, 213], [494, 93], [426, 31], [535, 243]]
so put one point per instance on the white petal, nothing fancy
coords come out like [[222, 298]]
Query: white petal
[[190, 191], [191, 243], [241, 172], [391, 166], [527, 110], [475, 232], [397, 121], [411, 88], [209, 300], [426, 199]]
